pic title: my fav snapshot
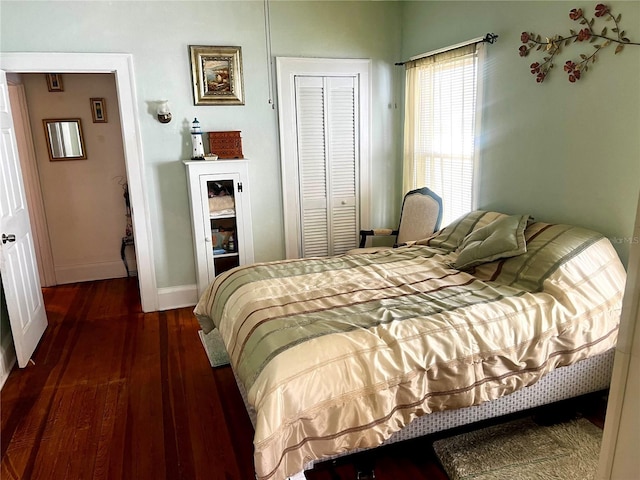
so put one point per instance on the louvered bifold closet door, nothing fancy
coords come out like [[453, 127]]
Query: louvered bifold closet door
[[326, 120]]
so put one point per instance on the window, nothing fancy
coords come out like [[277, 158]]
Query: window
[[441, 120]]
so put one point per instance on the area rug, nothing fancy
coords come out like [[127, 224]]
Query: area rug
[[523, 450], [214, 347]]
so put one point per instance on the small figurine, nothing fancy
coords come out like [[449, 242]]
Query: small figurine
[[196, 140]]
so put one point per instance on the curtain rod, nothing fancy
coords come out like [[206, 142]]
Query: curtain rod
[[489, 38]]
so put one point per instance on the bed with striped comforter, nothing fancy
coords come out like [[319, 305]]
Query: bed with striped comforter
[[339, 353]]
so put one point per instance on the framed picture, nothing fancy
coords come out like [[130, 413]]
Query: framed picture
[[216, 73], [98, 110], [54, 82], [64, 139]]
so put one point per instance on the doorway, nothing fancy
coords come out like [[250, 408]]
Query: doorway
[[121, 65], [77, 205]]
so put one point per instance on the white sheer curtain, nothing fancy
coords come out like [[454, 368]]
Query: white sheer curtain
[[442, 116]]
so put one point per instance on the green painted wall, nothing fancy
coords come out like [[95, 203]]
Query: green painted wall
[[562, 152], [158, 34]]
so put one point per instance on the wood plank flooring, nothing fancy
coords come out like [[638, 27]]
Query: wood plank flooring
[[118, 394], [115, 393]]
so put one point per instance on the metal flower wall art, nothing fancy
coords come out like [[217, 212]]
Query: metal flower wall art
[[587, 34]]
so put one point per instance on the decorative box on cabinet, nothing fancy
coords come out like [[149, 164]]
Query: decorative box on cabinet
[[220, 216]]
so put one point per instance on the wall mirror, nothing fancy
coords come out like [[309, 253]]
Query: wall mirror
[[64, 139]]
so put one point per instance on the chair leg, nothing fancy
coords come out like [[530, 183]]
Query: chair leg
[[123, 246]]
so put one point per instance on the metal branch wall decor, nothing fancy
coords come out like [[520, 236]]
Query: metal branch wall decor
[[551, 46]]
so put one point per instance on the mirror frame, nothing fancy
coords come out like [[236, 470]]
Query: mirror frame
[[46, 122]]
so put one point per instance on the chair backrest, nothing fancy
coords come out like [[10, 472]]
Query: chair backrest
[[420, 216]]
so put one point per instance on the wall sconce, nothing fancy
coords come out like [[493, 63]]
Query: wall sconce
[[164, 115]]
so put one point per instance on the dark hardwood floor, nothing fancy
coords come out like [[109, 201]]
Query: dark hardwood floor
[[119, 394], [115, 393]]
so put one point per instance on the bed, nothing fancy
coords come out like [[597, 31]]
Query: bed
[[338, 354]]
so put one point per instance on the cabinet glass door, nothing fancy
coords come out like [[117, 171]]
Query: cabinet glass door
[[223, 223]]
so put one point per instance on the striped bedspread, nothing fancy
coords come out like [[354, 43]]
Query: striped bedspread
[[338, 353]]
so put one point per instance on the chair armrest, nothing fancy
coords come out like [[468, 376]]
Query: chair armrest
[[375, 232]]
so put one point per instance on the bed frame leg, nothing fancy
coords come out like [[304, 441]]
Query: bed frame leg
[[368, 475], [298, 476], [364, 467]]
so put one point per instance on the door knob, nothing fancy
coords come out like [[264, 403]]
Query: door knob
[[8, 238]]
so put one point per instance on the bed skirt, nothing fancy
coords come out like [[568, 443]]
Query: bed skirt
[[587, 376]]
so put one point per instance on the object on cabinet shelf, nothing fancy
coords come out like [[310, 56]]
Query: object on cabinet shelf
[[218, 189], [163, 112], [226, 144], [98, 110], [220, 205], [216, 73], [224, 239], [197, 152]]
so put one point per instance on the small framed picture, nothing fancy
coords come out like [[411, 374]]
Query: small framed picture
[[216, 74], [99, 110], [54, 82]]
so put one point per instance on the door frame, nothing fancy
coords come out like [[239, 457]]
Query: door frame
[[287, 68], [121, 65]]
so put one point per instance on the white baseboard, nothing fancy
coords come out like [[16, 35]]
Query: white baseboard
[[89, 272], [177, 297]]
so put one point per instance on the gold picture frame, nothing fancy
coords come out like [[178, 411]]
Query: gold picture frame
[[216, 74], [54, 82], [98, 110]]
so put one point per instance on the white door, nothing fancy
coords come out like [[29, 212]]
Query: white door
[[323, 111], [326, 122], [18, 266]]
